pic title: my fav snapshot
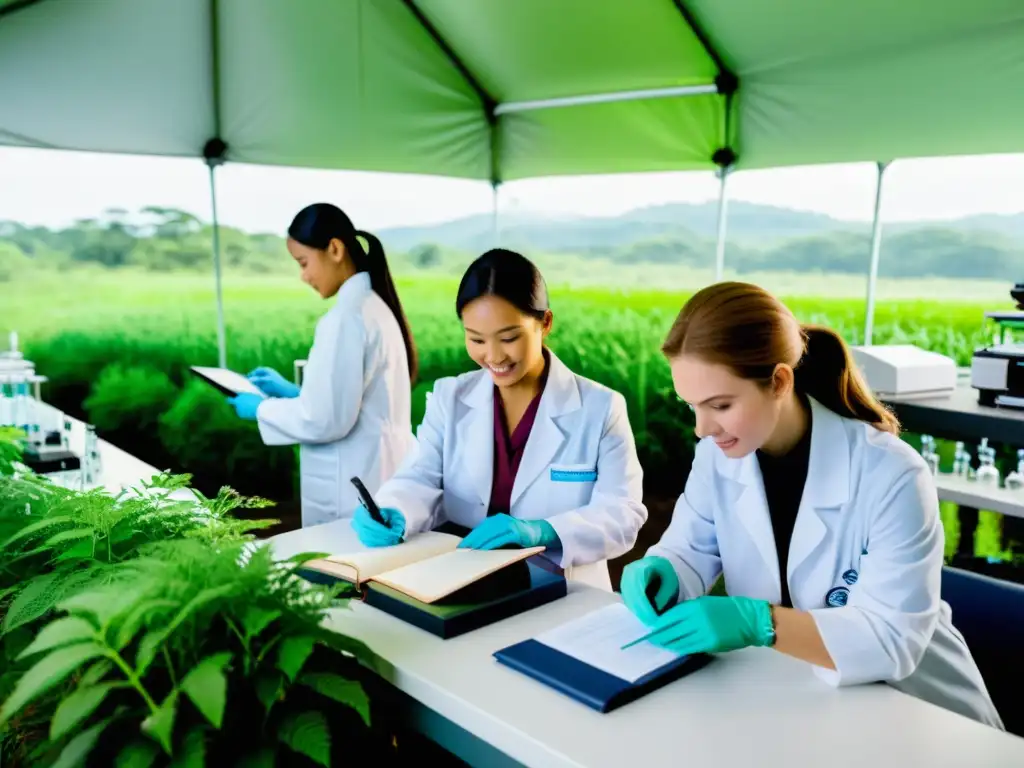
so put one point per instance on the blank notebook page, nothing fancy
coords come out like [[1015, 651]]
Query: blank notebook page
[[370, 561], [432, 579], [597, 639]]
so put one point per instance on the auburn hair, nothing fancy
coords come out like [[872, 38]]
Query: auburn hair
[[747, 329]]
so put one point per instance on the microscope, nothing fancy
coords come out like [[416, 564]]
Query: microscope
[[997, 371]]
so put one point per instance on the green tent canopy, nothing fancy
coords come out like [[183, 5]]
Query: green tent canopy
[[499, 90]]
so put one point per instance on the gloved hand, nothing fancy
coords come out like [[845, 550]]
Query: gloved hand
[[245, 404], [272, 383], [711, 624], [373, 534], [499, 530], [648, 587]]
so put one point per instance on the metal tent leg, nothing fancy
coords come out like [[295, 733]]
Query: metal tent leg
[[221, 340], [876, 249], [723, 201], [495, 222]]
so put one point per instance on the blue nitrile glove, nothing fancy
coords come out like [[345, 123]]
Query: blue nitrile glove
[[245, 404], [373, 534], [499, 530], [711, 624], [272, 383], [649, 586]]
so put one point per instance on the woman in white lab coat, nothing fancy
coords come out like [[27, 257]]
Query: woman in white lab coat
[[351, 417], [824, 524], [522, 451]]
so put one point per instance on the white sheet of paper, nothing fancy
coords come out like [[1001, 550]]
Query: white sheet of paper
[[597, 639], [228, 378]]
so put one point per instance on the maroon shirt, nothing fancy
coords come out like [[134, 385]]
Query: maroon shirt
[[508, 449]]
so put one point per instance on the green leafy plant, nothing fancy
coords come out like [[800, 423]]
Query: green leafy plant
[[55, 540], [197, 654], [10, 449]]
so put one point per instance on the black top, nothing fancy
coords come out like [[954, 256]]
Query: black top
[[784, 478]]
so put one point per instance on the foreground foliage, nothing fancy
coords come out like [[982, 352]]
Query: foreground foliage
[[145, 629]]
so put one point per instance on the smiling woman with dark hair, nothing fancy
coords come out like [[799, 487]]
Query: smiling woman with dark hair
[[523, 451]]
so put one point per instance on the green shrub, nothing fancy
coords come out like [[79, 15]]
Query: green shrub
[[201, 432], [129, 397]]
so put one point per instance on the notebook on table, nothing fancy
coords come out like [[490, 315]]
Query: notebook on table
[[585, 660], [428, 582]]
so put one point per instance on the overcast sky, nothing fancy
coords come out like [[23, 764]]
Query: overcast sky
[[55, 188]]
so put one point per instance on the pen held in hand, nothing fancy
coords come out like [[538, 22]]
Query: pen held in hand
[[631, 643]]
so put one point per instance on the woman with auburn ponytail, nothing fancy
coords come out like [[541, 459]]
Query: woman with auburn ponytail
[[352, 415], [824, 524]]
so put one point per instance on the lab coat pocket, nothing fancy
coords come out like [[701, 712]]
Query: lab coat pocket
[[571, 486]]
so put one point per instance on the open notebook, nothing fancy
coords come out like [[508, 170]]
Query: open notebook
[[427, 567]]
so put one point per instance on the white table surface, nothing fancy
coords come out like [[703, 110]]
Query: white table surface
[[119, 470], [754, 707]]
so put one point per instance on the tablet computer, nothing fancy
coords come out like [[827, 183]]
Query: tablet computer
[[227, 381]]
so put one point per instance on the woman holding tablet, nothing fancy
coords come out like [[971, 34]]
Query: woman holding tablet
[[823, 522], [523, 451], [351, 416]]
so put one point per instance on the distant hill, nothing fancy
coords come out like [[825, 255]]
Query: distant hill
[[749, 225]]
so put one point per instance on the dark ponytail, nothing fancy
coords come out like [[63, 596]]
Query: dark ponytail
[[744, 327], [316, 225], [828, 373]]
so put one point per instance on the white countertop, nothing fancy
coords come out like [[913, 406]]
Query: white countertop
[[119, 470], [754, 707]]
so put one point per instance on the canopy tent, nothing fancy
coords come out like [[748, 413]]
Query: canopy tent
[[499, 90]]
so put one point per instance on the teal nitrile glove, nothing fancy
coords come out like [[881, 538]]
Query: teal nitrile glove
[[245, 405], [373, 534], [500, 530], [648, 587], [272, 383], [714, 625]]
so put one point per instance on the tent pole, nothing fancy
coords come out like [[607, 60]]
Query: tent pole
[[876, 251], [495, 222], [723, 202], [221, 342], [606, 98]]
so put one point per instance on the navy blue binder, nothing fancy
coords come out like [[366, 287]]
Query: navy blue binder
[[588, 685]]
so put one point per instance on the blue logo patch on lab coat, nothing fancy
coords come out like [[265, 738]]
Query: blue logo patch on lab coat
[[850, 576], [837, 597], [573, 475]]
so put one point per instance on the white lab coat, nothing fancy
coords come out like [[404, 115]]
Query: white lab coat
[[352, 416], [867, 540], [579, 469]]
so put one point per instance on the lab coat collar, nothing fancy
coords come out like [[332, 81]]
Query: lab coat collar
[[826, 489], [561, 396], [354, 288]]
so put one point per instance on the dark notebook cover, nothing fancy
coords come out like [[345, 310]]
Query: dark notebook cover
[[586, 684], [510, 591]]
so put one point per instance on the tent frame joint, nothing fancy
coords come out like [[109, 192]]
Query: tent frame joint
[[215, 152]]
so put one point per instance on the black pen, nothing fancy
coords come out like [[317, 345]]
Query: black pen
[[368, 502]]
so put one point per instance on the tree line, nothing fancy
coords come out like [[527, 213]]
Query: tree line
[[168, 240]]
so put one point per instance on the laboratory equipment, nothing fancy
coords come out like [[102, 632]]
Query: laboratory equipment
[[1015, 480], [905, 370], [929, 453], [92, 469], [987, 473], [997, 370], [47, 448], [961, 460]]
